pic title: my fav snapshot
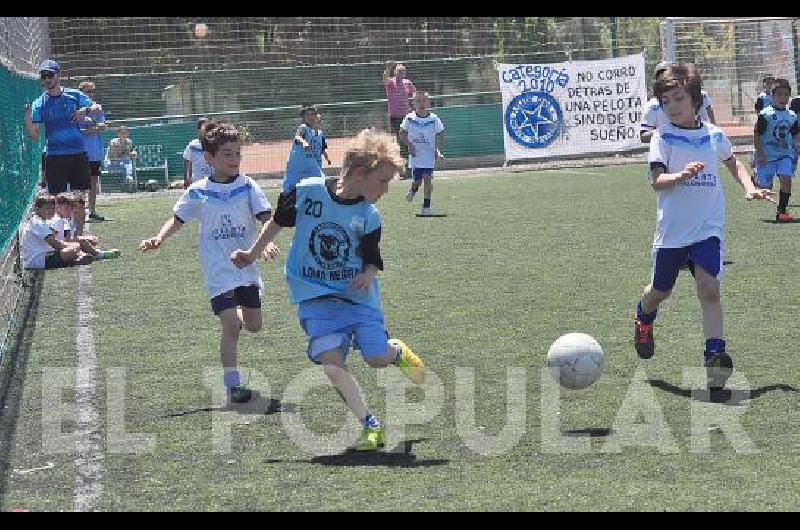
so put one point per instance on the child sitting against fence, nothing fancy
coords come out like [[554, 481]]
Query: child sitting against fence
[[64, 226], [39, 246]]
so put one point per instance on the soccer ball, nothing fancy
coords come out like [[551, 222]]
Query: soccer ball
[[152, 185], [575, 360]]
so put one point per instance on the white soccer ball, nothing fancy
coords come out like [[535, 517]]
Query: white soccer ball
[[152, 185], [575, 360]]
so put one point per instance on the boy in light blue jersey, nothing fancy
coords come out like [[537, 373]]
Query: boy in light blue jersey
[[91, 127], [764, 99], [227, 205], [422, 131], [305, 157], [794, 106], [332, 267], [775, 133]]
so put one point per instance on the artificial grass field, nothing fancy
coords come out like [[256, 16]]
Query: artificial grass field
[[520, 259]]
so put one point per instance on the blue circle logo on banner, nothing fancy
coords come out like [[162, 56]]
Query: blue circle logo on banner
[[534, 119]]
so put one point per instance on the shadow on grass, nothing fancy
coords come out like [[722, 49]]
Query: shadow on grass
[[731, 398], [400, 456], [774, 222], [591, 432], [258, 406], [13, 367]]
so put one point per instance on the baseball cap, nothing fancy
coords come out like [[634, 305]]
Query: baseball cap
[[49, 66], [663, 65]]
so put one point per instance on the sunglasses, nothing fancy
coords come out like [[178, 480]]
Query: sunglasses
[[46, 75]]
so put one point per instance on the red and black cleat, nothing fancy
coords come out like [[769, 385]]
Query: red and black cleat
[[643, 339]]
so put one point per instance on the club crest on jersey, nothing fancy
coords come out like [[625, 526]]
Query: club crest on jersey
[[330, 244], [534, 119]]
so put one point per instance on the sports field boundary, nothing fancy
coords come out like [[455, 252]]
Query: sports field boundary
[[14, 369]]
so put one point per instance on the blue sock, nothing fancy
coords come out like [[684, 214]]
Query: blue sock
[[231, 379], [645, 318], [399, 356], [426, 203], [370, 421], [713, 347]]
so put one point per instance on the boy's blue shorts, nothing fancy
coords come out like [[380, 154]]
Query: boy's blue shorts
[[332, 323], [419, 172], [782, 167], [667, 262]]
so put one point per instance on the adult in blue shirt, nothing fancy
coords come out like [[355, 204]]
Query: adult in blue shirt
[[62, 110], [91, 127]]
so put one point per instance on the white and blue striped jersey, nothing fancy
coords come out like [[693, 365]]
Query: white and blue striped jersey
[[422, 131], [694, 209], [227, 216]]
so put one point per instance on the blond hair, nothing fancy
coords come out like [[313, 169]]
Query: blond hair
[[86, 84], [369, 149]]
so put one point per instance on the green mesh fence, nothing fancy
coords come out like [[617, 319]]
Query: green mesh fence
[[20, 158], [20, 161]]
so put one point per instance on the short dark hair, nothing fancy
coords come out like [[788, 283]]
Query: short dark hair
[[42, 199], [781, 83], [201, 121], [684, 75], [307, 107], [215, 134], [65, 198]]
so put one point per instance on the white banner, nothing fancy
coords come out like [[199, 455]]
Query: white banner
[[572, 108]]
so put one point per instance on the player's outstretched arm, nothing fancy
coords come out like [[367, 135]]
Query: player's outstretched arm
[[661, 180], [739, 173], [389, 72], [243, 258], [170, 227]]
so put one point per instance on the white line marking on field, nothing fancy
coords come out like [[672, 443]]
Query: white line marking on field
[[89, 462], [31, 470]]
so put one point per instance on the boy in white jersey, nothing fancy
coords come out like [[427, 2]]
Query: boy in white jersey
[[227, 204], [654, 116], [332, 266], [774, 136], [195, 166], [684, 156], [39, 245], [422, 131]]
